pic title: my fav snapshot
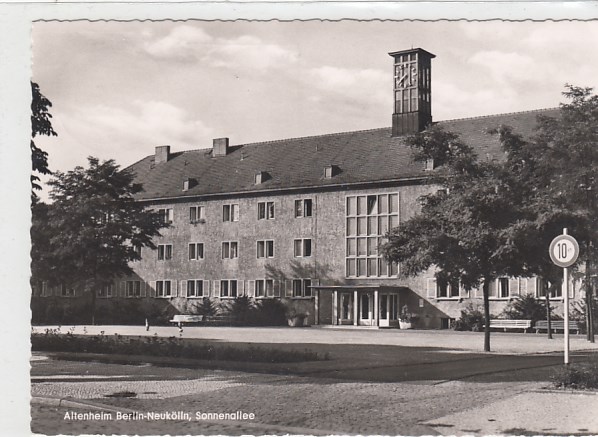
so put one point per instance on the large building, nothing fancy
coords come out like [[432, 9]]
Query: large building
[[301, 219]]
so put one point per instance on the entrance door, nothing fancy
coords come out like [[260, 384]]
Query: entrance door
[[345, 313], [388, 309], [366, 309]]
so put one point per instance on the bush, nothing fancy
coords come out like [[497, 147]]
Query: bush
[[525, 307], [578, 313], [270, 312], [53, 341], [472, 319], [578, 377], [240, 310]]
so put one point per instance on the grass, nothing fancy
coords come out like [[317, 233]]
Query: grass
[[54, 341], [577, 377]]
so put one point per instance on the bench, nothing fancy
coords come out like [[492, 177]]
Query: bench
[[556, 325], [181, 319], [510, 324]]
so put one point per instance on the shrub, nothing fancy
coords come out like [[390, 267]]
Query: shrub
[[472, 319], [53, 341], [578, 313], [578, 377], [525, 307], [207, 307], [240, 309], [270, 312]]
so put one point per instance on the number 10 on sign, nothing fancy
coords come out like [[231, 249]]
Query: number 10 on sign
[[564, 251]]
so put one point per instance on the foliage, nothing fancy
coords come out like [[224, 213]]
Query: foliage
[[240, 309], [578, 313], [461, 230], [207, 307], [270, 312], [526, 307], [405, 315], [471, 319], [577, 377], [53, 341], [88, 235], [40, 125]]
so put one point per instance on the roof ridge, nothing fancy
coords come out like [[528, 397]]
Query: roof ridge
[[529, 111], [259, 143]]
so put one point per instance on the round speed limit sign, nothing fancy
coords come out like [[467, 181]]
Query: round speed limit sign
[[564, 250]]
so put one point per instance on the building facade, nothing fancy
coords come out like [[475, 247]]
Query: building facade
[[300, 220]]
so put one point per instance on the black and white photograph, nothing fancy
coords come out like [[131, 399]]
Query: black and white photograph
[[313, 227]]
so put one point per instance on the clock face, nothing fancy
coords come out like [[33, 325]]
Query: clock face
[[405, 75]]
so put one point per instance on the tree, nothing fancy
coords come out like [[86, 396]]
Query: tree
[[40, 125], [568, 146], [558, 168], [93, 228], [462, 229]]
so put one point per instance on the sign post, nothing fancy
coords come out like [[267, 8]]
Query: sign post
[[564, 251]]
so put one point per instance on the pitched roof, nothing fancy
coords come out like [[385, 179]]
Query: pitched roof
[[360, 156]]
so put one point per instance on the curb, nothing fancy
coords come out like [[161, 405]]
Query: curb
[[260, 428]]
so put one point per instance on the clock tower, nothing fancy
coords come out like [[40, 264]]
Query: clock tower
[[412, 91]]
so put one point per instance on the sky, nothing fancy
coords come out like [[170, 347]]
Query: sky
[[119, 89]]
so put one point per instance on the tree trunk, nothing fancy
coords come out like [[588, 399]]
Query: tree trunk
[[486, 290], [92, 306], [589, 299], [548, 313]]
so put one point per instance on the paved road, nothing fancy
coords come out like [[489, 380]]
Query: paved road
[[421, 399]]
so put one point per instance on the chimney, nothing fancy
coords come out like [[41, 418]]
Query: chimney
[[220, 147], [162, 154], [412, 91]]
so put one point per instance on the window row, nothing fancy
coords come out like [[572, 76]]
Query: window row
[[302, 248], [199, 288], [230, 212], [501, 288]]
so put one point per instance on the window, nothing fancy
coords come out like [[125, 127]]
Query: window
[[447, 290], [264, 288], [301, 288], [547, 287], [137, 250], [166, 215], [195, 251], [230, 249], [302, 248], [265, 249], [196, 214], [230, 213], [303, 208], [105, 291], [228, 288], [265, 210], [368, 220], [67, 291], [195, 288], [163, 288], [164, 252], [503, 287], [133, 288]]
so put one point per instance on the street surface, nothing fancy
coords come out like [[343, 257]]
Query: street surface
[[365, 388]]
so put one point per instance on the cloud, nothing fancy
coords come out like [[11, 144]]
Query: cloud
[[247, 52], [359, 84], [183, 42], [507, 67], [132, 132]]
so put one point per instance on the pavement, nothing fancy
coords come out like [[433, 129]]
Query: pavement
[[501, 342], [377, 382]]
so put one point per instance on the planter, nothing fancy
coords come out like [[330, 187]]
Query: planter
[[405, 325], [297, 321]]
